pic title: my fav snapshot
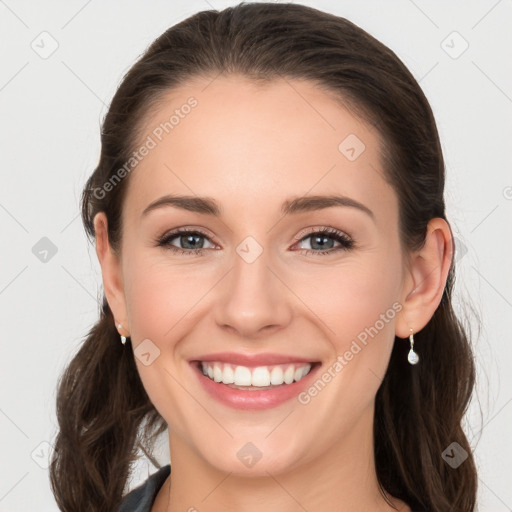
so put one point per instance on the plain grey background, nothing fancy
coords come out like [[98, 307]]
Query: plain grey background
[[60, 64]]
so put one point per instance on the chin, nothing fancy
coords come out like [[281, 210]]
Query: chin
[[253, 458]]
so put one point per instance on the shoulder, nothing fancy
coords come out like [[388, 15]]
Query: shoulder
[[142, 497]]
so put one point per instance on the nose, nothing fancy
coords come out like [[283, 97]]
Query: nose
[[253, 301]]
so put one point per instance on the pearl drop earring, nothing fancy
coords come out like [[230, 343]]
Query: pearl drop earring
[[123, 338], [412, 357]]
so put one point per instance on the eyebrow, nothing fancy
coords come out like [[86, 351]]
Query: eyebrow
[[208, 205]]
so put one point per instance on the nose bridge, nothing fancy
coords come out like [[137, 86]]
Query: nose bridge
[[253, 298]]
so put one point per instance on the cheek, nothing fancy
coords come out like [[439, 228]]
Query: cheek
[[158, 294], [368, 305], [357, 308], [159, 301], [351, 299], [152, 305]]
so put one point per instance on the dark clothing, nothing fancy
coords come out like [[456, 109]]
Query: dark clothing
[[141, 498]]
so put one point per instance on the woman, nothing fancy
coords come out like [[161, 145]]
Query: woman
[[269, 218]]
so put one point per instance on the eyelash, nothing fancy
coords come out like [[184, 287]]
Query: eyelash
[[346, 242]]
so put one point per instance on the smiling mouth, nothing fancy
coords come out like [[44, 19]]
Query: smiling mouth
[[257, 378]]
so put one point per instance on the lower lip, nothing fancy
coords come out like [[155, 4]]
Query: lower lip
[[254, 400]]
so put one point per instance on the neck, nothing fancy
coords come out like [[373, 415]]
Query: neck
[[343, 479]]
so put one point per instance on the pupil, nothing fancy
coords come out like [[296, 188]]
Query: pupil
[[190, 238], [322, 244]]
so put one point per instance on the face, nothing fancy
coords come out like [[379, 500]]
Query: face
[[271, 281]]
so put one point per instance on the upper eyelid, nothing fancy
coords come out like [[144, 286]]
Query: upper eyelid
[[325, 229]]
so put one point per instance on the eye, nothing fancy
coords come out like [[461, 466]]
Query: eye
[[190, 241], [324, 239]]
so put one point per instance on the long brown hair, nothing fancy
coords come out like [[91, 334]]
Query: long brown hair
[[103, 411]]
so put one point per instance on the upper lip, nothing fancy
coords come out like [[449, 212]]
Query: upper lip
[[265, 359]]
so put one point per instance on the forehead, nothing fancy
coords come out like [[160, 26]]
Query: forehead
[[251, 143]]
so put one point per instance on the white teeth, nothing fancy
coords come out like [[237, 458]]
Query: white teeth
[[289, 374], [261, 376], [242, 376], [217, 373], [276, 376], [228, 376]]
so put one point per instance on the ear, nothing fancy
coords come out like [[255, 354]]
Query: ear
[[425, 279], [111, 272]]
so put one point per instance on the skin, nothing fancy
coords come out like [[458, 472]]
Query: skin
[[250, 148]]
